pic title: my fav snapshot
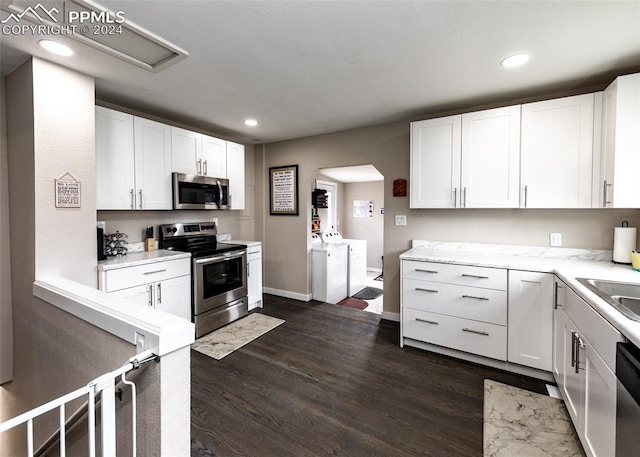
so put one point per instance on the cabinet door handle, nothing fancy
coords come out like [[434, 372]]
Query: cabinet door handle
[[474, 297], [477, 332], [455, 197], [604, 194], [159, 297], [555, 296], [579, 345], [464, 198], [573, 349], [425, 271], [248, 270], [150, 292], [140, 193], [133, 205], [426, 290], [526, 193], [199, 166], [154, 272], [427, 321], [474, 276], [206, 169]]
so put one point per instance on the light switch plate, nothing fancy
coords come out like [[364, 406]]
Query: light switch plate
[[555, 239], [401, 219]]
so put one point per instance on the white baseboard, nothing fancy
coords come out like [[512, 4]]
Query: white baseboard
[[514, 368], [395, 317], [287, 294]]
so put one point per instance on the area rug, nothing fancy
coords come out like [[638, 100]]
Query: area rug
[[368, 293], [224, 341], [353, 303], [519, 423]]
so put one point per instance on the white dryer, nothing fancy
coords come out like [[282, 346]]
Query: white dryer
[[357, 260], [329, 266]]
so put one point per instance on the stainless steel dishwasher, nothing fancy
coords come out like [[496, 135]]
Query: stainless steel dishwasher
[[628, 400]]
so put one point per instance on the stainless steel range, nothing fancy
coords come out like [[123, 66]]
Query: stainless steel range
[[218, 273]]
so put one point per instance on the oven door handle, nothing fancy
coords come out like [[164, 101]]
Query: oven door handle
[[218, 258]]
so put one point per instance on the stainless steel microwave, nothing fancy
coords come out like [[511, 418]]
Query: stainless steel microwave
[[200, 192]]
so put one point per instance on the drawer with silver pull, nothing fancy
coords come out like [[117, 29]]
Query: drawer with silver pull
[[480, 338], [123, 278], [486, 305], [488, 278]]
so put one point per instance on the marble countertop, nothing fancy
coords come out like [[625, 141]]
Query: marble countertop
[[567, 264], [140, 258], [245, 242]]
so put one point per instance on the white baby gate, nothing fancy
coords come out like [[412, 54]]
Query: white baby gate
[[103, 385]]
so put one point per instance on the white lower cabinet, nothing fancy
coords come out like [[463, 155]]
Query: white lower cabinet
[[530, 319], [254, 276], [455, 306], [583, 366], [502, 314], [164, 285]]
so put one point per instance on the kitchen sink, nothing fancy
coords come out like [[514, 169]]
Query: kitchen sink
[[623, 296]]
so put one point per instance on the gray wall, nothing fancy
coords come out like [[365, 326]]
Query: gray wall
[[50, 130], [370, 229], [6, 321], [387, 148]]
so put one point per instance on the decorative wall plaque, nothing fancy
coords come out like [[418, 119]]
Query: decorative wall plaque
[[400, 187], [67, 191], [284, 190]]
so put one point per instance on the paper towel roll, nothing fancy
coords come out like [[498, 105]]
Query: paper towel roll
[[624, 241]]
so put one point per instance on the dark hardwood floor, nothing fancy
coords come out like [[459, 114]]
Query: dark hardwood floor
[[333, 381]]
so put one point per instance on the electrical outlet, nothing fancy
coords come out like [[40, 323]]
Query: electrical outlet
[[139, 339], [401, 220], [555, 239]]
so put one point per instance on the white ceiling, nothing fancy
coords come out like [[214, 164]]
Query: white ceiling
[[311, 67]]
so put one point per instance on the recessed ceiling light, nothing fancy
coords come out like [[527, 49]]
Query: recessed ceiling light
[[56, 48], [251, 122], [515, 60]]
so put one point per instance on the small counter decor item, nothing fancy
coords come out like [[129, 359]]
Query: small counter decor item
[[150, 241], [116, 244]]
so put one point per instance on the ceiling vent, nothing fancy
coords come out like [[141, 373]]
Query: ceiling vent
[[109, 31]]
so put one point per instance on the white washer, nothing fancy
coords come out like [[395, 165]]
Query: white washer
[[357, 261], [329, 263]]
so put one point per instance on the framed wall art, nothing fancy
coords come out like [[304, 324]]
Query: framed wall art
[[283, 190]]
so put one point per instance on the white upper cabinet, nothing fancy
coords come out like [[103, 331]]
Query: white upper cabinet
[[620, 144], [133, 162], [196, 154], [466, 161], [214, 157], [115, 177], [557, 153], [186, 151], [490, 176], [435, 162], [235, 174], [153, 164]]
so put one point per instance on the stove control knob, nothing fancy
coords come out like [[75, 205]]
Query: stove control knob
[[168, 230], [174, 230]]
